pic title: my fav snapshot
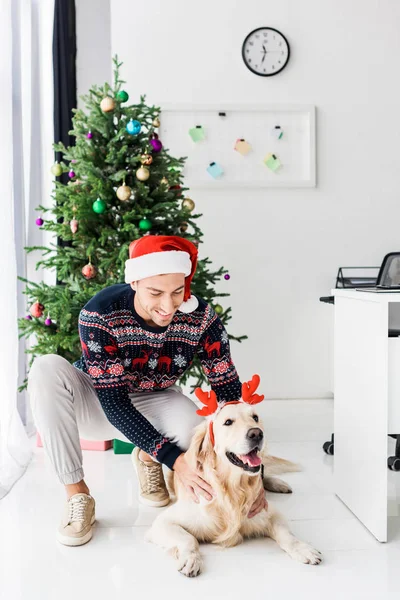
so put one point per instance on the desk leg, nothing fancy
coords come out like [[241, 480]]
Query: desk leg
[[361, 410]]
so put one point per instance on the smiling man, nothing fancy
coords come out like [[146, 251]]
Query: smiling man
[[137, 340]]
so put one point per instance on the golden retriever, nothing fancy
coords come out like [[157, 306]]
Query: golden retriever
[[231, 464]]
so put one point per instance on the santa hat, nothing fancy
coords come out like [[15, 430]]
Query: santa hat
[[162, 254]]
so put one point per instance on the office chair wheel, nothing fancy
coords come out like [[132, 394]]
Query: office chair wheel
[[394, 463], [329, 448]]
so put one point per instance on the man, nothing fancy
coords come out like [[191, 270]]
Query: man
[[137, 341]]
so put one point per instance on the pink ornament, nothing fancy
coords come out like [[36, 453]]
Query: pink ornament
[[156, 144], [48, 322], [74, 225], [227, 276], [28, 317], [89, 135], [89, 271], [71, 174], [39, 221], [74, 160], [36, 310]]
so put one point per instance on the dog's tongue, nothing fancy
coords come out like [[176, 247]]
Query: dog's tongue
[[251, 459]]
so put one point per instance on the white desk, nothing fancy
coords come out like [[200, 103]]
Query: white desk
[[367, 403]]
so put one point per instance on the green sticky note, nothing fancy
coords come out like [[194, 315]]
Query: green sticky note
[[197, 133], [272, 162]]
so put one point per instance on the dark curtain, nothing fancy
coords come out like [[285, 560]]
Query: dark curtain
[[64, 74]]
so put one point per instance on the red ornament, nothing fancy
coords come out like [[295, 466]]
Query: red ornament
[[89, 271], [36, 310]]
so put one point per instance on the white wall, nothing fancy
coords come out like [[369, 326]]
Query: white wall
[[283, 247], [93, 34]]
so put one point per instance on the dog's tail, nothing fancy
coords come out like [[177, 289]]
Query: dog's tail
[[274, 465]]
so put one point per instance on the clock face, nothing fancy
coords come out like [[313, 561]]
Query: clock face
[[265, 51]]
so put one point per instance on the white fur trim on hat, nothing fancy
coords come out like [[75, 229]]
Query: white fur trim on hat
[[157, 263], [190, 305]]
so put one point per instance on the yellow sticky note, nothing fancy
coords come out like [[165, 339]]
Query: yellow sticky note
[[242, 147], [272, 162]]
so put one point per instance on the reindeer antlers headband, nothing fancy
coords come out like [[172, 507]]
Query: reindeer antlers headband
[[209, 399], [212, 408]]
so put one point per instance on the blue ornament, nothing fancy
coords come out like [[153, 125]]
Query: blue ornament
[[133, 127]]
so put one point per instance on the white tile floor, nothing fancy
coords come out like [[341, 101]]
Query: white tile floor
[[118, 564]]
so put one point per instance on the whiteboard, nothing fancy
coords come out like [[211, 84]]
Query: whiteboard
[[224, 125]]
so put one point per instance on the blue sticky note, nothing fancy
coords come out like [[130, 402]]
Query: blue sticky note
[[215, 170]]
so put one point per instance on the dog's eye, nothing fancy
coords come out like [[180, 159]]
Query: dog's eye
[[255, 417], [228, 422]]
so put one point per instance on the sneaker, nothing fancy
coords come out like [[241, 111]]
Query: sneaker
[[153, 490], [76, 526]]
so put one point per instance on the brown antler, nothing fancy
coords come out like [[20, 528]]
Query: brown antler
[[248, 390], [210, 401]]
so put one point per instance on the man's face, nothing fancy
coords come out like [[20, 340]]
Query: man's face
[[158, 298]]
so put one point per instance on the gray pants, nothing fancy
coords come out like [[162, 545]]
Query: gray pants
[[65, 408]]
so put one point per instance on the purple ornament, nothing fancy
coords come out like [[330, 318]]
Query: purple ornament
[[28, 317], [48, 322], [156, 144], [227, 276], [89, 135], [71, 174], [39, 221]]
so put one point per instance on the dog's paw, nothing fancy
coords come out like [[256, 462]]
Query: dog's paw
[[190, 564], [304, 553], [274, 484]]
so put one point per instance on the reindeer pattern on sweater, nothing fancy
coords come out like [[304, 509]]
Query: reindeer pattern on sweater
[[124, 355]]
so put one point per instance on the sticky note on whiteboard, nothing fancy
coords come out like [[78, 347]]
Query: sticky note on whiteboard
[[215, 170], [272, 162], [277, 132], [197, 133], [242, 147]]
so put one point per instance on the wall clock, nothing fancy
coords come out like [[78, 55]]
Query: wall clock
[[265, 51]]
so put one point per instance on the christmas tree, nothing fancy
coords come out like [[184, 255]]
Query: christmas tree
[[123, 184]]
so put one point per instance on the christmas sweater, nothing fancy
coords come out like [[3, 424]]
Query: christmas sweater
[[124, 355]]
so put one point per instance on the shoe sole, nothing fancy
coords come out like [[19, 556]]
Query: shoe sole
[[67, 540], [153, 503]]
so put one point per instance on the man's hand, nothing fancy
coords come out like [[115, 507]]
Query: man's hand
[[194, 484], [259, 505]]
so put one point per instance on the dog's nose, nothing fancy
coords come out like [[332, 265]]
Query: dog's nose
[[255, 435]]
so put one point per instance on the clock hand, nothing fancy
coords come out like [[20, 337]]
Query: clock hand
[[263, 58]]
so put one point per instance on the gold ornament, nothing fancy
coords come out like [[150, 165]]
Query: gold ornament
[[183, 227], [57, 169], [143, 174], [164, 181], [146, 159], [156, 122], [124, 192], [188, 204], [107, 104]]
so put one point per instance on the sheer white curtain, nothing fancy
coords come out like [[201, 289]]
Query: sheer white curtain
[[25, 158]]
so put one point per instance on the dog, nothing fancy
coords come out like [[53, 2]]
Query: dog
[[229, 452]]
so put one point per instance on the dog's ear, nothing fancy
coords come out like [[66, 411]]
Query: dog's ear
[[200, 447]]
